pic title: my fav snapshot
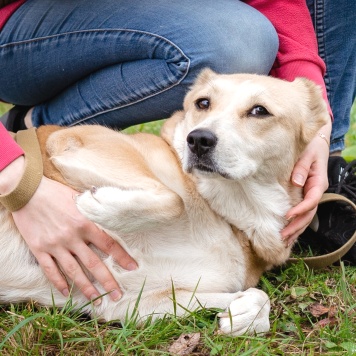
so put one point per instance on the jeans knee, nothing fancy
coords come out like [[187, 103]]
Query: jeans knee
[[246, 43], [259, 53]]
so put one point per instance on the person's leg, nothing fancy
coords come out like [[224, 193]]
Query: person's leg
[[124, 62], [335, 222], [334, 23]]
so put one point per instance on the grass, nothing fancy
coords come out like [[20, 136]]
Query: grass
[[350, 152], [312, 313], [295, 327]]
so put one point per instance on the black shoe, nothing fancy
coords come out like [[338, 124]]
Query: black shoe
[[14, 119], [336, 221], [342, 178]]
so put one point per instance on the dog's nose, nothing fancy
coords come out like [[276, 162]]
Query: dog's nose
[[201, 141]]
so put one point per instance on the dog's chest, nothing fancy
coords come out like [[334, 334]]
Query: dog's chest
[[197, 254]]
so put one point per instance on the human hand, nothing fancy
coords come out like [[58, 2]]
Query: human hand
[[61, 233], [310, 172]]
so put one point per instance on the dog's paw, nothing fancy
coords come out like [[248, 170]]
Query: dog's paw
[[117, 209], [247, 314], [100, 205]]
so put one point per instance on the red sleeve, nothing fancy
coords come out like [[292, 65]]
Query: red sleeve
[[298, 49], [9, 149], [8, 10]]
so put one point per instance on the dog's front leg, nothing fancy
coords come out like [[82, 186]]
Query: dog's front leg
[[245, 312], [248, 313], [127, 210]]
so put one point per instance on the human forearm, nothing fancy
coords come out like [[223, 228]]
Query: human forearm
[[12, 162], [10, 176], [9, 149]]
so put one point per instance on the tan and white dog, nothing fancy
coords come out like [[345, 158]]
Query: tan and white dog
[[200, 209]]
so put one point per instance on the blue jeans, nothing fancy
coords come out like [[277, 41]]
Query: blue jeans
[[335, 27], [120, 63]]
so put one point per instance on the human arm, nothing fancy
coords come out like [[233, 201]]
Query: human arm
[[55, 231], [9, 150]]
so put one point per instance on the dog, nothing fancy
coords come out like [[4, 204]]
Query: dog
[[199, 208]]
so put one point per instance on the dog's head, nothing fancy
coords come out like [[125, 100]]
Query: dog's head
[[234, 126]]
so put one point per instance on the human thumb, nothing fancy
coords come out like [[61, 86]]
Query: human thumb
[[299, 174]]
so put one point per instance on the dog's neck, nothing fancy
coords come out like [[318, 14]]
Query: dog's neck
[[247, 204], [254, 207]]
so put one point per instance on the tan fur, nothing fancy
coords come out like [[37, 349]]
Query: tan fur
[[49, 170], [207, 220], [254, 264]]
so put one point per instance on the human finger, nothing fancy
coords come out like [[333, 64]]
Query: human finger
[[52, 272], [100, 272], [309, 203], [297, 226], [108, 245], [72, 269], [300, 172]]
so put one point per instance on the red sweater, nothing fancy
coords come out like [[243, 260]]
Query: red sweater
[[9, 150], [297, 55]]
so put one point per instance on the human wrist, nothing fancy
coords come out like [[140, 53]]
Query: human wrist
[[326, 129], [10, 176]]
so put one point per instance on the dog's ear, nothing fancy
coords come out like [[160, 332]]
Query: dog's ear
[[315, 110], [168, 128], [205, 76]]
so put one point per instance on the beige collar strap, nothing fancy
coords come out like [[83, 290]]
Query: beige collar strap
[[33, 173], [332, 257]]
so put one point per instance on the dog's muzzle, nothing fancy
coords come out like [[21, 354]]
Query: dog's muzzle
[[201, 144]]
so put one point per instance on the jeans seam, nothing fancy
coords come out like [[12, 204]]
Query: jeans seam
[[132, 103], [319, 29], [40, 38]]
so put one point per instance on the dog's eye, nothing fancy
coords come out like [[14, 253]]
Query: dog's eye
[[259, 110], [202, 104]]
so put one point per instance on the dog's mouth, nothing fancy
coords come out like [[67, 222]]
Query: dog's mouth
[[206, 168]]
